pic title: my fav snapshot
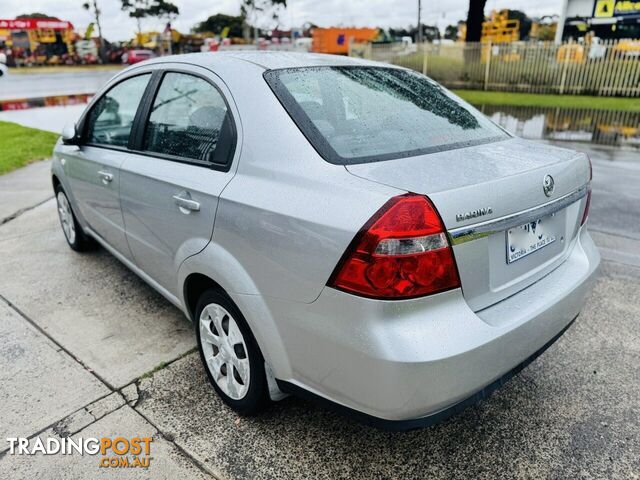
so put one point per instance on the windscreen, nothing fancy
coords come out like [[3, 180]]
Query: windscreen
[[367, 114]]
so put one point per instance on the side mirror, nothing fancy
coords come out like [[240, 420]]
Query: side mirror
[[69, 134]]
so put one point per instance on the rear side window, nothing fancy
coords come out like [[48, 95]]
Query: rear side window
[[187, 119], [111, 118], [367, 114]]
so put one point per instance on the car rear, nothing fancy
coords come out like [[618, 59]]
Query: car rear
[[472, 267], [367, 237]]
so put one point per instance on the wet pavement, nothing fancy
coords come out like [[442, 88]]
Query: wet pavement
[[52, 119], [598, 127], [32, 85]]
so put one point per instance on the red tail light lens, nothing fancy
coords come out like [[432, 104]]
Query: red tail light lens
[[402, 252]]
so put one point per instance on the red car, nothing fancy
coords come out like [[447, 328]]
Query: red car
[[135, 56]]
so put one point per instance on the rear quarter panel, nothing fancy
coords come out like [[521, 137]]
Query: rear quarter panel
[[287, 216]]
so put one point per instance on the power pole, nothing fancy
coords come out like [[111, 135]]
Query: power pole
[[419, 39]]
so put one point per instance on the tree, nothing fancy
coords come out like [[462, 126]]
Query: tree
[[42, 16], [92, 6], [451, 32], [255, 11], [140, 9], [475, 17], [216, 23]]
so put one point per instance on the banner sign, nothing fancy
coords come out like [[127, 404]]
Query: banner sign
[[35, 24], [616, 8]]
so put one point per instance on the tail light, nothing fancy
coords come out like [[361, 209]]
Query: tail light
[[401, 252]]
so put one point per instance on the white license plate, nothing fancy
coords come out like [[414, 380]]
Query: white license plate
[[527, 238]]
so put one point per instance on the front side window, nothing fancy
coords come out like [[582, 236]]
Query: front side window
[[111, 118], [366, 114], [186, 119]]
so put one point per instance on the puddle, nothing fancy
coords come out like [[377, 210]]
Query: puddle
[[602, 127]]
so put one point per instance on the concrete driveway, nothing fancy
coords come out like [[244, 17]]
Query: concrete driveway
[[87, 349]]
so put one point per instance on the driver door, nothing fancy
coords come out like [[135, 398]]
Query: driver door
[[93, 168]]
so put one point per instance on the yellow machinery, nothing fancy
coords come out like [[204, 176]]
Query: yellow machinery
[[570, 53], [499, 29]]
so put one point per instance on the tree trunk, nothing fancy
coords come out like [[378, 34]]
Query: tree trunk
[[475, 17]]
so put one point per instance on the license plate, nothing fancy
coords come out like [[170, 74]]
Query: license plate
[[528, 238]]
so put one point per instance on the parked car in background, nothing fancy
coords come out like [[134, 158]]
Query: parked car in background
[[335, 228], [134, 56]]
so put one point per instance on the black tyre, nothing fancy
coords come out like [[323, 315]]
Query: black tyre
[[76, 238], [230, 354]]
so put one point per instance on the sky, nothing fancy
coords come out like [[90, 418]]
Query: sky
[[116, 25]]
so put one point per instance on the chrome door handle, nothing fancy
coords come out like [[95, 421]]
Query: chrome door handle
[[183, 200], [105, 176]]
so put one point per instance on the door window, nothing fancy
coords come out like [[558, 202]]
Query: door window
[[111, 118], [187, 119]]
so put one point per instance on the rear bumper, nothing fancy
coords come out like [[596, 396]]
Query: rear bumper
[[426, 421], [412, 363]]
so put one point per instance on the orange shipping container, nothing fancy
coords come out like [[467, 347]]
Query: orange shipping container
[[336, 40]]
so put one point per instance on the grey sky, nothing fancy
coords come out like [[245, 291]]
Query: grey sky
[[382, 13]]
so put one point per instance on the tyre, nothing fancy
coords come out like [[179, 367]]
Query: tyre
[[230, 354], [76, 238]]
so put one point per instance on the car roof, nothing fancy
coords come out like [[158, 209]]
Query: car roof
[[267, 60]]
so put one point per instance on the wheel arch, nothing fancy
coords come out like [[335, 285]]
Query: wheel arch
[[194, 286], [215, 268]]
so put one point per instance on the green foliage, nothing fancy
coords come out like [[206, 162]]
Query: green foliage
[[216, 23], [451, 32], [480, 97], [20, 145], [140, 9], [42, 16]]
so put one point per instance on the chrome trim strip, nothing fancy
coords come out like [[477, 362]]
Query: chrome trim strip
[[484, 229]]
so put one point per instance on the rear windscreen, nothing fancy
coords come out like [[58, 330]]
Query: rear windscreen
[[367, 114]]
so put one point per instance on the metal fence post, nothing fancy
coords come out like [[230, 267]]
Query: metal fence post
[[565, 59], [487, 65]]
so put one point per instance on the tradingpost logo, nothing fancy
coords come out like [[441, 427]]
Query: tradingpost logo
[[117, 452]]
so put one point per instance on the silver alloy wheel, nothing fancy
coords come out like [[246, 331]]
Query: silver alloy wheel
[[66, 217], [225, 351]]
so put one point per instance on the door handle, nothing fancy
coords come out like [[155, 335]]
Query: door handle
[[186, 204], [105, 176]]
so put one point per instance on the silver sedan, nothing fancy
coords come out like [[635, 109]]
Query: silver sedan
[[338, 229]]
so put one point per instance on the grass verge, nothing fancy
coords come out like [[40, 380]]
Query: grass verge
[[480, 97], [21, 145]]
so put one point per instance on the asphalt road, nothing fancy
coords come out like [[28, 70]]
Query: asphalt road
[[32, 85], [88, 349]]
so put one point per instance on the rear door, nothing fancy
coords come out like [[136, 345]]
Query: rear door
[[93, 168], [169, 189]]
